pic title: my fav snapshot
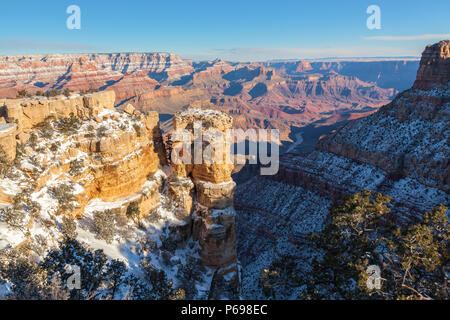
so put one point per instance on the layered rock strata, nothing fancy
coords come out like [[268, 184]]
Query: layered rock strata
[[402, 150], [434, 67], [107, 154], [213, 218]]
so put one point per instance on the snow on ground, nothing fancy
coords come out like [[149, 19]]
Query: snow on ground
[[6, 127], [271, 217], [10, 238]]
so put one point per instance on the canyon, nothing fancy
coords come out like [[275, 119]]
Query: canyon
[[284, 95], [402, 151], [78, 154]]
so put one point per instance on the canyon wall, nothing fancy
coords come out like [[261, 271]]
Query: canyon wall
[[116, 151], [83, 71], [79, 153], [265, 95], [402, 150]]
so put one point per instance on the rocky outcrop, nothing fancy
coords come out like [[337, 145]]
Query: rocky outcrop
[[214, 218], [434, 67], [215, 195], [27, 113], [210, 122], [110, 155]]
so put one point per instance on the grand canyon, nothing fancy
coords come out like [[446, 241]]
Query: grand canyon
[[87, 178]]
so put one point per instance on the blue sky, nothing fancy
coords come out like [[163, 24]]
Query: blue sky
[[234, 30]]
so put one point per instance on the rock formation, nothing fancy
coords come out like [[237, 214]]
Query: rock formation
[[115, 152], [403, 151], [434, 67], [214, 218]]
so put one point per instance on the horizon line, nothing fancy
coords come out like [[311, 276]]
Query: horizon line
[[401, 57]]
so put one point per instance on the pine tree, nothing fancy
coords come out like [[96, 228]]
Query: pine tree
[[104, 225], [69, 227]]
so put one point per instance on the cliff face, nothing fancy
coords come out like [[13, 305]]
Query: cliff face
[[116, 152], [80, 155], [434, 67], [213, 218], [402, 150]]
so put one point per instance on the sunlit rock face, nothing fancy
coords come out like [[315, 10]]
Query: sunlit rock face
[[117, 151], [213, 218], [434, 67]]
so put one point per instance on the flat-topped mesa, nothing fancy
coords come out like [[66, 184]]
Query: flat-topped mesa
[[214, 218], [434, 67]]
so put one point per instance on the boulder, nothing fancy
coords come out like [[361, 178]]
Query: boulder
[[128, 109], [99, 100]]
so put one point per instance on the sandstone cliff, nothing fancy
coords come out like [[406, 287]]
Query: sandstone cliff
[[434, 67], [80, 155], [213, 218], [114, 152]]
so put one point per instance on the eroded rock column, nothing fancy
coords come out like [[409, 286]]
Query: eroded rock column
[[205, 160]]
